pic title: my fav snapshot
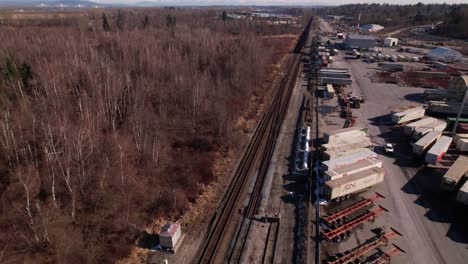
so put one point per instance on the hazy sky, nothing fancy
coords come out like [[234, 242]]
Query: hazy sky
[[292, 2]]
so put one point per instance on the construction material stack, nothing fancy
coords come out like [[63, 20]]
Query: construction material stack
[[352, 165]]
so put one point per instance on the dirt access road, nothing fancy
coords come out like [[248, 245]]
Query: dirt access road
[[429, 221]]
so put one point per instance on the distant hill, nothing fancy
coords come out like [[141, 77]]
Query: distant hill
[[51, 3]]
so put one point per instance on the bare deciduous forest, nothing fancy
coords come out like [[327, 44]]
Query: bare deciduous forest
[[104, 116]]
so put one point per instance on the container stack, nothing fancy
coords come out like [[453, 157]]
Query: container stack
[[351, 165]]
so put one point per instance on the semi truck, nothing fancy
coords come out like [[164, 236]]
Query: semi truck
[[438, 150], [454, 174], [353, 183]]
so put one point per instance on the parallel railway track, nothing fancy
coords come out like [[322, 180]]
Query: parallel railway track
[[257, 156]]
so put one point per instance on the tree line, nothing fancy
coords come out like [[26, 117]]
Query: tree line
[[453, 18]]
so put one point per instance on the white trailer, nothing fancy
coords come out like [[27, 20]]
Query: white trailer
[[454, 174], [447, 107], [327, 155], [462, 145], [462, 195], [343, 146], [409, 128], [408, 115], [353, 183], [338, 134], [425, 142], [437, 152], [347, 160], [330, 90], [352, 169], [437, 125]]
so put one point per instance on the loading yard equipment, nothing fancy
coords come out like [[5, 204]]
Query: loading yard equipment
[[365, 248], [329, 220], [337, 232], [386, 257]]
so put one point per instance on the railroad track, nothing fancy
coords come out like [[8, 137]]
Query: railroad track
[[258, 152]]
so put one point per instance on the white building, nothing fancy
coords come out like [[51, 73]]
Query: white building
[[169, 236], [390, 42]]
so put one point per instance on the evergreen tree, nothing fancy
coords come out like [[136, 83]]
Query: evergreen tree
[[105, 23], [145, 22], [224, 15], [25, 74], [120, 20]]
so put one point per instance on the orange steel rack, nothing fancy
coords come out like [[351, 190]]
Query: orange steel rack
[[370, 216], [366, 248], [349, 210]]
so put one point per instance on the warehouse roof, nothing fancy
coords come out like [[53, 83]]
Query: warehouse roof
[[445, 54]]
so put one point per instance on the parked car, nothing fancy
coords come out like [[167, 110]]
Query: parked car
[[388, 148]]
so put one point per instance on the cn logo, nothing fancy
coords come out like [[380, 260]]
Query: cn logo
[[350, 186]]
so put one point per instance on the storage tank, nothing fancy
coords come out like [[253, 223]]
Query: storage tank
[[353, 183], [437, 152], [347, 160], [454, 174], [462, 195], [352, 169], [408, 115], [409, 128], [343, 133], [425, 142], [437, 125]]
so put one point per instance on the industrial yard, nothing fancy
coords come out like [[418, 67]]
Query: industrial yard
[[428, 220]]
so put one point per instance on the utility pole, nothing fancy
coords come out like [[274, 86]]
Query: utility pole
[[459, 112]]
